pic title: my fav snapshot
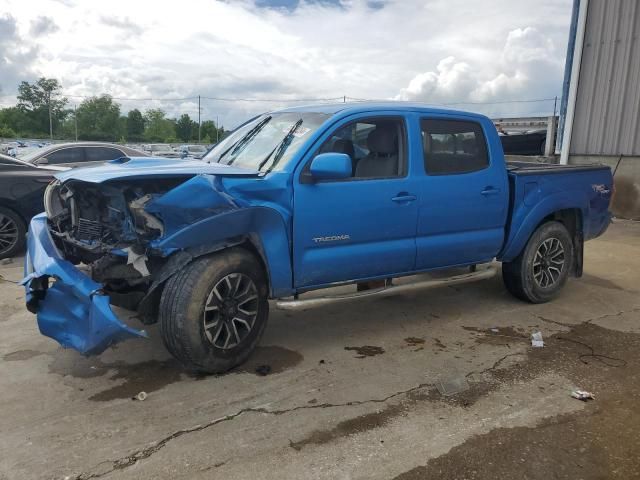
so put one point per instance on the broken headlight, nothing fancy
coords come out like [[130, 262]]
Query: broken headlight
[[52, 202]]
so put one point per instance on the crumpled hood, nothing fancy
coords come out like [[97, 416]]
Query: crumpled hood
[[143, 167]]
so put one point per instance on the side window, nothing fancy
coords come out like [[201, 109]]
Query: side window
[[102, 154], [66, 155], [453, 146], [376, 147]]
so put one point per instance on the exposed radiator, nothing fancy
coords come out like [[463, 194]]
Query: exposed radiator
[[88, 230]]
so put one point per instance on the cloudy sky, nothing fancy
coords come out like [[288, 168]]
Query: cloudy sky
[[285, 51]]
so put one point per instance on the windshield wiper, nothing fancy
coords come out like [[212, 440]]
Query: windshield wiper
[[236, 147], [280, 148]]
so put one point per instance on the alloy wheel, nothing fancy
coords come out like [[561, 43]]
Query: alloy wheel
[[230, 310], [548, 263], [8, 233]]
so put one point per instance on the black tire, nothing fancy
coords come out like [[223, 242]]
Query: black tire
[[182, 311], [12, 233], [525, 280]]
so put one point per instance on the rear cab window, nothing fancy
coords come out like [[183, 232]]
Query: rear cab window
[[453, 147]]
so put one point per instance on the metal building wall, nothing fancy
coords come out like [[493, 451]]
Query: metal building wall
[[606, 121], [607, 115]]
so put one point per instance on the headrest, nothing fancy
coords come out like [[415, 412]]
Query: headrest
[[383, 140]]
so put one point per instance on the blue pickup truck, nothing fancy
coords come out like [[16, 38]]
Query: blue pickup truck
[[293, 201]]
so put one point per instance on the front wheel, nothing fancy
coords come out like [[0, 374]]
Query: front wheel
[[214, 311], [538, 274]]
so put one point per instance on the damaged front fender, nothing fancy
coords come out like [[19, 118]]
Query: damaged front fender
[[70, 306]]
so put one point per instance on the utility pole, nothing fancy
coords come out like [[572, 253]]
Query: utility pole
[[75, 119], [199, 129], [344, 99], [50, 120]]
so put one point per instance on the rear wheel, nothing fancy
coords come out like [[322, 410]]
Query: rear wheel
[[538, 274], [214, 311], [12, 233]]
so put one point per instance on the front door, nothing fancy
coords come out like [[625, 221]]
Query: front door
[[364, 226]]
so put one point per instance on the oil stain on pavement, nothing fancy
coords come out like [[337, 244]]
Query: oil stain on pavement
[[366, 351], [152, 375]]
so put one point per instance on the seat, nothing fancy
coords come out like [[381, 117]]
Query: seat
[[382, 159]]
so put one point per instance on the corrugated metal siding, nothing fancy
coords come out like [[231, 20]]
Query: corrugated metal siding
[[607, 112]]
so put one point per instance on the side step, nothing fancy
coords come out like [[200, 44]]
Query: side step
[[480, 273]]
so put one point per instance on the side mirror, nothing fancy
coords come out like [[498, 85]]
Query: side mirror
[[331, 166], [43, 161], [183, 154]]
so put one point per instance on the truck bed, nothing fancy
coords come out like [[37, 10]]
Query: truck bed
[[539, 188]]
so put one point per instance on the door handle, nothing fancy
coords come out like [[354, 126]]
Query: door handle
[[490, 191], [403, 197]]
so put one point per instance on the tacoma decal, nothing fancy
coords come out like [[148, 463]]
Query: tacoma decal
[[331, 238]]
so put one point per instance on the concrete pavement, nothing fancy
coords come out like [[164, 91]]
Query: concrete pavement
[[352, 392]]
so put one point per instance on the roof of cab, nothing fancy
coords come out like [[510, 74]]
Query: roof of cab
[[372, 106]]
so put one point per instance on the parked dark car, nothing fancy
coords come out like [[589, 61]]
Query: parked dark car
[[80, 154], [22, 186], [531, 142]]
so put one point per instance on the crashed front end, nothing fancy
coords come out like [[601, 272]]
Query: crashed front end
[[99, 244], [71, 307]]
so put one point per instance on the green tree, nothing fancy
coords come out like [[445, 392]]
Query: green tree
[[209, 129], [15, 119], [6, 132], [135, 126], [99, 119], [38, 100], [184, 127], [157, 127]]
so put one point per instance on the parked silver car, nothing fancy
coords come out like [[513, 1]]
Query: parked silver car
[[79, 154], [161, 150], [192, 151]]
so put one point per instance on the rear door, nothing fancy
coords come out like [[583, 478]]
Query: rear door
[[464, 194], [363, 226]]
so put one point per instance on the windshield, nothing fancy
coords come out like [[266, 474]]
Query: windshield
[[268, 142]]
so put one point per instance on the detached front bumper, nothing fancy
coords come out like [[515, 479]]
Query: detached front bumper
[[70, 306]]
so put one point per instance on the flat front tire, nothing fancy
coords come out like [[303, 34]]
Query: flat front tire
[[214, 311], [540, 271]]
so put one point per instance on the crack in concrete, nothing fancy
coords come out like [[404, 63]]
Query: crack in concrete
[[617, 314], [495, 364], [135, 457]]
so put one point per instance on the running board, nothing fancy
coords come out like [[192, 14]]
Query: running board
[[298, 304]]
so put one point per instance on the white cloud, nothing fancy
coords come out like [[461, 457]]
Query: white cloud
[[527, 68], [441, 50]]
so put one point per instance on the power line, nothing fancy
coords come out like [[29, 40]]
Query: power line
[[497, 102], [294, 100], [274, 100], [135, 99]]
